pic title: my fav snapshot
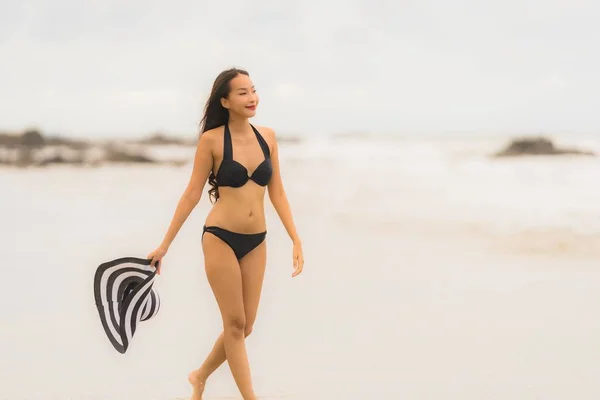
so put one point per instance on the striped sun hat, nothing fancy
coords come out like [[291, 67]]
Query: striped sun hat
[[124, 296]]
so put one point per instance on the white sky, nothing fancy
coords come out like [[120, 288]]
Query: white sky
[[83, 67]]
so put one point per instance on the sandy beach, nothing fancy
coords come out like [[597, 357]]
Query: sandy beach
[[432, 272]]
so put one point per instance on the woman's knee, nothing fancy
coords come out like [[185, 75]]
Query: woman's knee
[[247, 330], [235, 326]]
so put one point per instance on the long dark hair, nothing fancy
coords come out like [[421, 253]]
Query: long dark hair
[[216, 115]]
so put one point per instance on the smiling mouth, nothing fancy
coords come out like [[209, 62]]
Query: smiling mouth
[[251, 107]]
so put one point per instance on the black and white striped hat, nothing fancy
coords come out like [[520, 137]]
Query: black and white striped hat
[[124, 297]]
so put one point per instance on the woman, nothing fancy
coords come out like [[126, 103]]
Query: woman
[[240, 162]]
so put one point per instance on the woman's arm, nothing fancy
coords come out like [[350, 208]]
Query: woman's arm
[[277, 193], [203, 162]]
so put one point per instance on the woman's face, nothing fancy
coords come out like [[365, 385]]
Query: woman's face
[[242, 98]]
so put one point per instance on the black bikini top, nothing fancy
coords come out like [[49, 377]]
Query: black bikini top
[[232, 173]]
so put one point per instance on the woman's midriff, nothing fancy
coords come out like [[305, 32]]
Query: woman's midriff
[[238, 212]]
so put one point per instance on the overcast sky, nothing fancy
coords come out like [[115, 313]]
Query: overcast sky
[[108, 67]]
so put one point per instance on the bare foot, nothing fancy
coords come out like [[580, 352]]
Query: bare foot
[[197, 381]]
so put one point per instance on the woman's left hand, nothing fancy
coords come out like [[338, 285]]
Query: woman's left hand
[[298, 259]]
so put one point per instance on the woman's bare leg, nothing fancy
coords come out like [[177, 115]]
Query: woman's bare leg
[[252, 268]]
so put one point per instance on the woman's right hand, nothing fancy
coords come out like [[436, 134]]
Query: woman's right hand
[[157, 256]]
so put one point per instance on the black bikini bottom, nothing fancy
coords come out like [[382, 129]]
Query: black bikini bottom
[[240, 243]]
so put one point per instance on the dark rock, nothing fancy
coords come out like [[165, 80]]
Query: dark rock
[[33, 149], [535, 147], [71, 143], [59, 159], [163, 140], [10, 140], [121, 156], [35, 139], [25, 157], [32, 138]]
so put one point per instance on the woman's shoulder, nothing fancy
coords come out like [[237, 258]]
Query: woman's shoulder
[[212, 135], [268, 133], [217, 131]]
